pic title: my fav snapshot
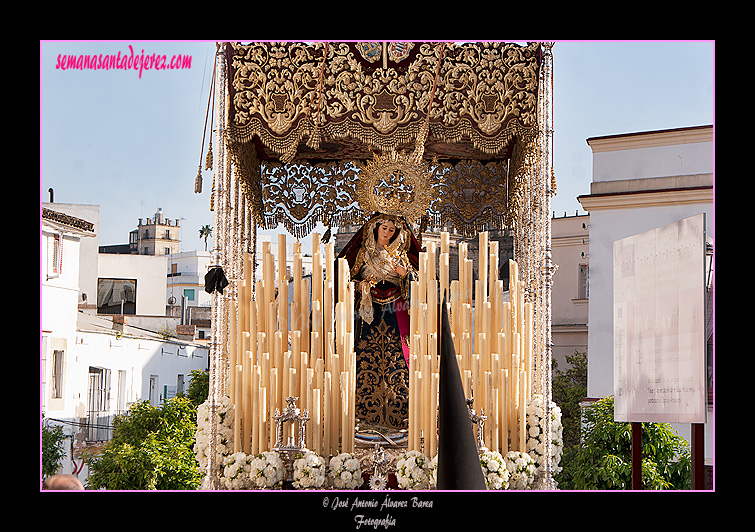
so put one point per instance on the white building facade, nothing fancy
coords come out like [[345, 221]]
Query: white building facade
[[185, 274], [93, 366], [641, 181]]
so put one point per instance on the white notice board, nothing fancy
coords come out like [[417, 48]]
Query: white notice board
[[659, 324]]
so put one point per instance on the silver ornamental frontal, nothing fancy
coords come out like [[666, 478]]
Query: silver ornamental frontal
[[291, 425]]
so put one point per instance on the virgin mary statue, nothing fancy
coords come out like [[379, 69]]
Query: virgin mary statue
[[383, 257]]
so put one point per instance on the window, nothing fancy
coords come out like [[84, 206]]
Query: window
[[57, 374], [154, 397], [57, 254], [116, 295], [98, 415], [584, 282], [189, 294], [122, 389]]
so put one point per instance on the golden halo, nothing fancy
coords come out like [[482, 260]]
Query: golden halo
[[395, 184]]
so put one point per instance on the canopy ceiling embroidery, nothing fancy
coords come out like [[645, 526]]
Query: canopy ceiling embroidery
[[302, 119]]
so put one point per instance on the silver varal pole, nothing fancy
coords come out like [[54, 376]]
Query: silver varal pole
[[212, 477], [547, 482]]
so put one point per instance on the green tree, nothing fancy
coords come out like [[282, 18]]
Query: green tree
[[568, 389], [604, 461], [52, 449], [151, 449], [199, 387], [205, 232]]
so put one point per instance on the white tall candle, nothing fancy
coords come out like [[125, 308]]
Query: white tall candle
[[237, 434], [282, 274], [273, 403], [431, 260], [347, 432], [317, 422], [232, 357], [486, 394], [252, 328], [283, 308], [343, 279], [317, 278], [420, 411], [483, 264], [327, 399], [414, 312], [444, 282], [503, 395], [329, 261], [254, 408], [304, 312], [434, 386], [246, 393], [523, 411], [335, 427], [261, 433]]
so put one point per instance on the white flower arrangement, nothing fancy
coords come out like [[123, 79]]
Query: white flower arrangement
[[495, 471], [236, 472], [224, 431], [266, 470], [309, 471], [521, 468], [413, 471], [434, 472], [536, 433], [345, 472]]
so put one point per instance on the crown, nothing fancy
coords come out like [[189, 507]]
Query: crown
[[397, 184]]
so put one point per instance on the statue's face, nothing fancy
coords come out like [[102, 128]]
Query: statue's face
[[386, 230]]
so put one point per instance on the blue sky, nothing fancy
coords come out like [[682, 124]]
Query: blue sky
[[131, 144]]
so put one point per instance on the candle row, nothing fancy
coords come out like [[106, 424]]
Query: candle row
[[492, 340], [305, 348], [301, 346]]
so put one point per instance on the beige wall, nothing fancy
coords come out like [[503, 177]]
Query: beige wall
[[570, 250]]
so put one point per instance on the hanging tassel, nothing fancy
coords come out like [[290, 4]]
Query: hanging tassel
[[553, 181], [208, 160], [198, 181], [419, 148], [314, 136]]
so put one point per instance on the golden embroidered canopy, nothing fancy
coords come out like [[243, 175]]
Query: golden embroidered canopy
[[304, 120]]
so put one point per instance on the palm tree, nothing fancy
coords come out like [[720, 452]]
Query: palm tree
[[204, 232]]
